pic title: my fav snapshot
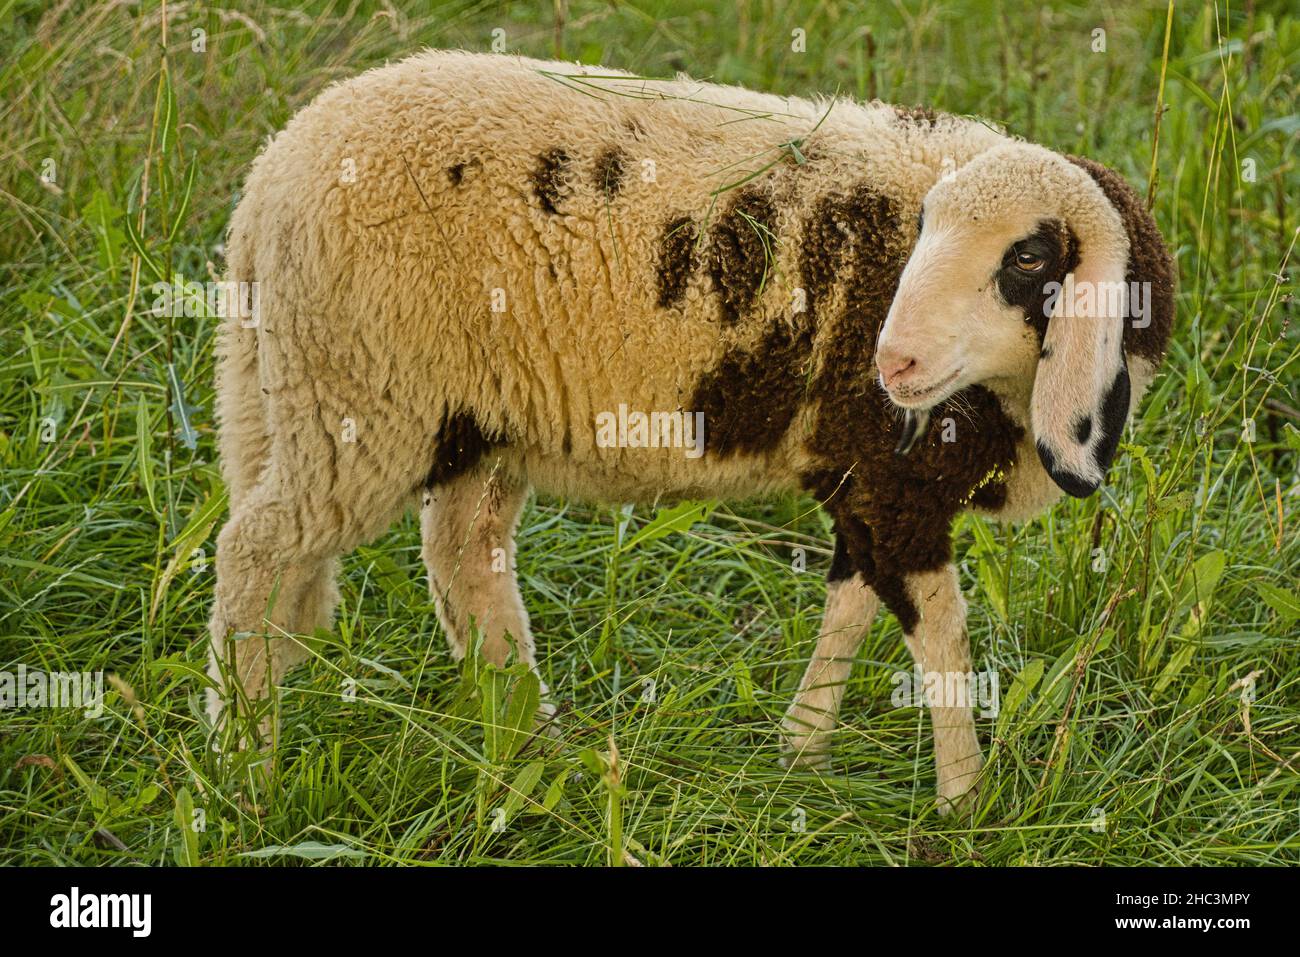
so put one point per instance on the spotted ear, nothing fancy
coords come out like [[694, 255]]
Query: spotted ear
[[1081, 390]]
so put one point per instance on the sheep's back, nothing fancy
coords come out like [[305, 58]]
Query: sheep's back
[[539, 243]]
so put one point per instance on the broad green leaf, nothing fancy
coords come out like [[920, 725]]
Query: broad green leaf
[[679, 518], [101, 215], [1291, 435], [1201, 580], [1173, 668], [522, 787], [99, 797], [1283, 601], [196, 531], [555, 791], [520, 713], [493, 686], [137, 243], [1057, 685], [308, 850], [1024, 683], [1196, 693], [178, 219], [993, 584], [186, 851]]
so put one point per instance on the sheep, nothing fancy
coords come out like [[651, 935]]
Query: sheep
[[465, 261]]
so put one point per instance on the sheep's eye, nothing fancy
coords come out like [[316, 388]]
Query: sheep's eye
[[1028, 262]]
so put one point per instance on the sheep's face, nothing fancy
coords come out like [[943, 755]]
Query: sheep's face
[[1005, 244]]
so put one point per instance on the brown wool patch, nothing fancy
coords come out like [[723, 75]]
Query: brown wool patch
[[750, 398], [917, 115], [1148, 261], [460, 445], [676, 260], [895, 512], [456, 173], [738, 252], [822, 250], [548, 179], [990, 497], [610, 169], [855, 552]]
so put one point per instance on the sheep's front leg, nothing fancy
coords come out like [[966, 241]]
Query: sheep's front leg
[[468, 528], [940, 646], [850, 608]]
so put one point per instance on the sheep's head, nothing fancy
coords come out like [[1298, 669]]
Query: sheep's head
[[1021, 279]]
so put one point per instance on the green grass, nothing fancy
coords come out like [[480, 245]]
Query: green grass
[[1124, 665]]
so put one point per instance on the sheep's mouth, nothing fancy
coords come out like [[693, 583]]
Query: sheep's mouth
[[926, 397]]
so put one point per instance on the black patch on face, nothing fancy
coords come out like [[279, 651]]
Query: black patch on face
[[750, 398], [1083, 430], [1054, 244], [459, 446], [609, 171], [676, 260], [548, 179], [1045, 352], [1148, 262], [738, 252]]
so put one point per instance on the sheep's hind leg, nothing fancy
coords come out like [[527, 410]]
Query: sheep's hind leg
[[275, 582], [850, 608], [468, 527], [277, 565], [941, 648]]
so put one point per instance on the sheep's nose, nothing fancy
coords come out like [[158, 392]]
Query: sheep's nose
[[894, 368]]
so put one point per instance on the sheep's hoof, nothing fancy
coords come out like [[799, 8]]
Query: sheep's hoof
[[820, 761], [957, 802], [806, 752]]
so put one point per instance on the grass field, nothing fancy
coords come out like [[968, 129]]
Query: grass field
[[1145, 639]]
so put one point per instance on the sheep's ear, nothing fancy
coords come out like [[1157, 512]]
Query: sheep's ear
[[1081, 391]]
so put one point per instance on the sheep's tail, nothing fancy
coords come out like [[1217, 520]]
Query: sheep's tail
[[243, 437]]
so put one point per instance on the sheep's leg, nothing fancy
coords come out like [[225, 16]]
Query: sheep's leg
[[275, 581], [277, 565], [850, 608], [941, 648], [468, 527]]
